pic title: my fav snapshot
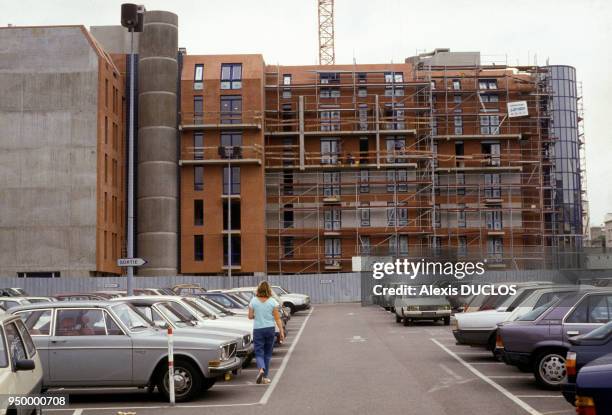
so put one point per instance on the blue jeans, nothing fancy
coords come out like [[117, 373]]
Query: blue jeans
[[264, 343]]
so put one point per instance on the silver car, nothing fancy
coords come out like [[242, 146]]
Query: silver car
[[97, 343]]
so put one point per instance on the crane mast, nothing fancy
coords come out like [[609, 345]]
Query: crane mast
[[327, 53]]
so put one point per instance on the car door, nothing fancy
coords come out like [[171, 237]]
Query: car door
[[38, 322], [23, 380], [591, 312], [88, 347]]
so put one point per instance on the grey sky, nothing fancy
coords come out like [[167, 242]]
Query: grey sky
[[577, 33]]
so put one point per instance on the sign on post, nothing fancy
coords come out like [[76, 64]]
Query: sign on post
[[517, 109], [130, 262]]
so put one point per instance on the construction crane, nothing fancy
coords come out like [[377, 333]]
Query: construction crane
[[327, 52]]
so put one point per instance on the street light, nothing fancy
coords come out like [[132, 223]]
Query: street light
[[132, 17]]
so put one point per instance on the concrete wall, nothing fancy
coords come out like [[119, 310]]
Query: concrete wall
[[48, 153]]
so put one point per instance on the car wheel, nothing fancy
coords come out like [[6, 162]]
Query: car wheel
[[447, 321], [549, 368], [524, 368], [208, 383], [407, 322], [188, 381], [291, 307], [398, 319]]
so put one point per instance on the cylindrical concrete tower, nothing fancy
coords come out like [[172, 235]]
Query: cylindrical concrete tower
[[157, 200]]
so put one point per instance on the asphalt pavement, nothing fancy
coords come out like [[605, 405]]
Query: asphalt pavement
[[348, 359]]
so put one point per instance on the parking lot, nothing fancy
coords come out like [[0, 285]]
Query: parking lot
[[350, 359]]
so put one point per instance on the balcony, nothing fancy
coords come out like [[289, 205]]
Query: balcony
[[222, 155], [245, 120], [280, 158]]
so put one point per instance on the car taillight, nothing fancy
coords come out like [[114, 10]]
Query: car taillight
[[570, 363], [585, 406], [499, 343]]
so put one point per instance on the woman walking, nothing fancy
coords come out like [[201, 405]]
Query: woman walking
[[264, 310]]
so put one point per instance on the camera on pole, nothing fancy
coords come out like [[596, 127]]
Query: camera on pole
[[132, 17]]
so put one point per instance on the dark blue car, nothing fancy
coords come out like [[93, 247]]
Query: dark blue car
[[594, 387], [584, 349]]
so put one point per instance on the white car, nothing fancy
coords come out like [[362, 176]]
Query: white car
[[293, 301], [20, 369], [479, 328]]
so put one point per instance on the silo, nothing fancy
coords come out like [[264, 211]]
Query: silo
[[157, 172]]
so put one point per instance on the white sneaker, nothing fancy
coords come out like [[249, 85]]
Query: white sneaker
[[266, 381]]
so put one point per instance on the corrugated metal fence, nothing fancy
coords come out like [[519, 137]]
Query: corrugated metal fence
[[322, 288]]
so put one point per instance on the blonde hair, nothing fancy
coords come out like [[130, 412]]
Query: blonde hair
[[264, 290]]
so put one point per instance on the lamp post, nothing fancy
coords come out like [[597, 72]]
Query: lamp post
[[229, 152], [132, 17]]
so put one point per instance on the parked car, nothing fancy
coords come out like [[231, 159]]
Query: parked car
[[411, 308], [153, 291], [594, 387], [583, 350], [80, 297], [13, 292], [248, 292], [10, 302], [109, 294], [21, 372], [539, 340], [94, 344], [293, 301], [188, 289], [163, 313], [40, 299], [225, 300], [479, 328]]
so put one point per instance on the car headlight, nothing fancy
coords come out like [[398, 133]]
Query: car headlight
[[224, 353], [454, 323], [247, 340]]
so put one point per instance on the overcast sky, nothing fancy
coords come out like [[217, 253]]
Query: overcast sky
[[572, 32]]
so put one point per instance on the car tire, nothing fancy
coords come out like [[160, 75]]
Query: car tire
[[291, 307], [208, 383], [407, 322], [398, 319], [447, 321], [192, 381], [549, 368], [525, 368]]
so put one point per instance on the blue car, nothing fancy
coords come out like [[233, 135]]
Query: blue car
[[584, 349], [594, 387]]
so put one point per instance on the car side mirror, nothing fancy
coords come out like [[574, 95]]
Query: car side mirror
[[25, 364], [161, 324]]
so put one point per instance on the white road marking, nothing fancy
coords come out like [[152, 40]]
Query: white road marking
[[512, 377], [450, 372], [275, 381], [539, 396], [77, 412], [488, 380], [357, 339]]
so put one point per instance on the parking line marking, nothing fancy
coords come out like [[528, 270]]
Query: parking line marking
[[266, 396], [512, 377], [489, 381], [539, 396], [77, 412]]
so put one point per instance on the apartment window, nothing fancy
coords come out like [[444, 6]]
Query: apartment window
[[198, 247], [331, 183], [106, 93], [489, 97], [492, 186], [234, 207], [495, 248], [288, 246], [105, 130], [363, 117], [330, 93], [235, 180], [397, 181], [362, 77], [364, 181], [286, 93], [396, 216], [457, 103], [436, 183], [362, 92], [329, 77], [436, 244], [492, 152], [487, 84], [231, 76], [114, 173], [364, 149], [198, 106], [391, 79], [396, 147], [329, 150], [461, 222], [458, 125], [198, 212], [231, 109], [434, 125], [494, 219], [330, 120], [456, 84], [231, 139], [364, 214], [489, 124], [398, 245], [235, 255], [105, 206], [198, 145], [437, 216], [115, 211], [198, 178], [105, 245], [287, 79], [395, 116], [287, 182], [435, 155], [288, 216], [114, 245], [462, 246], [402, 216], [198, 73], [394, 77], [432, 84], [115, 136], [459, 154], [460, 179], [333, 250], [365, 246], [332, 219]]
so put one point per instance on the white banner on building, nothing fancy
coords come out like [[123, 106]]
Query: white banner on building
[[517, 109]]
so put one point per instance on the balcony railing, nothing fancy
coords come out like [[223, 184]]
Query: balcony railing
[[225, 120], [222, 155]]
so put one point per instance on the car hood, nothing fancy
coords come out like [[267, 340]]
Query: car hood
[[294, 296], [187, 339], [234, 323], [487, 318]]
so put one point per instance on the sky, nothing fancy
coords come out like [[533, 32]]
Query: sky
[[576, 33]]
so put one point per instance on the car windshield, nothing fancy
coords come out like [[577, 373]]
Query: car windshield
[[238, 299], [201, 308], [178, 314], [130, 317], [538, 311], [493, 301], [599, 333], [219, 309], [166, 291]]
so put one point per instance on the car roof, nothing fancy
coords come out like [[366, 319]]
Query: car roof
[[65, 304], [155, 298], [571, 298]]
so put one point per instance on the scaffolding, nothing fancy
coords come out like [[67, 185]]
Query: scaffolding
[[406, 162]]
